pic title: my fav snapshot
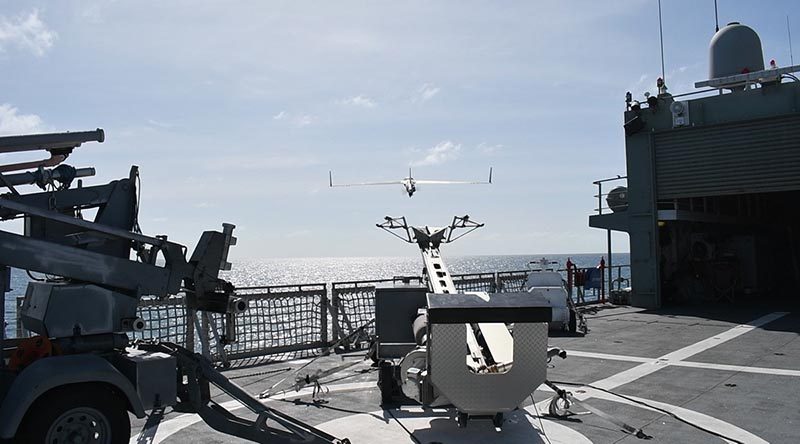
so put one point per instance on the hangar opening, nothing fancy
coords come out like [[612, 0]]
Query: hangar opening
[[734, 249]]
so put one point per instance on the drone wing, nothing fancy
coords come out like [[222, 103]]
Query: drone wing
[[446, 182], [330, 177]]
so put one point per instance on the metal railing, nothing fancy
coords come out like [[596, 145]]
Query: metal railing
[[600, 195], [476, 282], [509, 281], [279, 319], [166, 320], [353, 304], [287, 321]]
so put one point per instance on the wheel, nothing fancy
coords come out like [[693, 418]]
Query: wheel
[[386, 381], [85, 413], [573, 322], [461, 419], [497, 420], [372, 353]]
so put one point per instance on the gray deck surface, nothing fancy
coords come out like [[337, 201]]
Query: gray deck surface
[[624, 343]]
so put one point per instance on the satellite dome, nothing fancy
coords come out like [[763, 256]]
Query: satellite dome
[[617, 198], [735, 49]]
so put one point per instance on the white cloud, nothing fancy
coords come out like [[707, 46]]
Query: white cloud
[[303, 120], [296, 120], [94, 13], [27, 33], [442, 152], [360, 101], [11, 122], [159, 124], [425, 93], [488, 149]]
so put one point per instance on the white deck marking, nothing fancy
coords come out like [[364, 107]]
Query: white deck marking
[[657, 364], [690, 364], [610, 357], [175, 425], [691, 350], [695, 417], [437, 425], [647, 366], [738, 368]]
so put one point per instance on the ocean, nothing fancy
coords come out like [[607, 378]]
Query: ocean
[[281, 271]]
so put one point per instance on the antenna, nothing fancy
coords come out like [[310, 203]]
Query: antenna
[[789, 31], [716, 16], [661, 35]]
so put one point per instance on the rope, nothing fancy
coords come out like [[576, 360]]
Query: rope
[[410, 435], [539, 417], [264, 373], [666, 412]]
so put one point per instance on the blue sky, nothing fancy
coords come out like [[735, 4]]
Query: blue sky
[[235, 112]]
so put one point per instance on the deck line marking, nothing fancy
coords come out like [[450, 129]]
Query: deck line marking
[[699, 418], [738, 368], [649, 366], [685, 352], [657, 364], [611, 357], [690, 364]]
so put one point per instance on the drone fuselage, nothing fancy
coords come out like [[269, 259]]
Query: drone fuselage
[[410, 186]]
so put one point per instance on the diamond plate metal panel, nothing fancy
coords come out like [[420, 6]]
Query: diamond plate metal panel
[[490, 392]]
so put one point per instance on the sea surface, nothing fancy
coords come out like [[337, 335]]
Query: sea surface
[[281, 271]]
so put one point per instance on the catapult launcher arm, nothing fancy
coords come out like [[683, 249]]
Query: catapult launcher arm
[[58, 145], [429, 239]]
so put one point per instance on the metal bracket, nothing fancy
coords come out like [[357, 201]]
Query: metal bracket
[[200, 372]]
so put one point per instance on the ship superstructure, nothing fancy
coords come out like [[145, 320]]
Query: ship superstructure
[[712, 182]]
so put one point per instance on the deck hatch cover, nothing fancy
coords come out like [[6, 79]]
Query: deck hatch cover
[[755, 156]]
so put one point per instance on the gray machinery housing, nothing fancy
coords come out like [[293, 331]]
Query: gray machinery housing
[[713, 184], [95, 273], [441, 347]]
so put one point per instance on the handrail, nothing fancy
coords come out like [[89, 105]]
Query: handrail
[[600, 193], [171, 319]]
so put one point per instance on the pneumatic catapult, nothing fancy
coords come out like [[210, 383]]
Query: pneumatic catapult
[[425, 333]]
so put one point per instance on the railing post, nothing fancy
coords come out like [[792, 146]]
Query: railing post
[[333, 308], [204, 337], [599, 197], [324, 314], [5, 281], [20, 328], [609, 264], [602, 281], [191, 314]]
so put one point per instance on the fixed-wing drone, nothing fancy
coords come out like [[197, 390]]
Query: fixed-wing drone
[[410, 183]]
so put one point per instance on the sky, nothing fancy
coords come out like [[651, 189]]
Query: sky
[[236, 111]]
